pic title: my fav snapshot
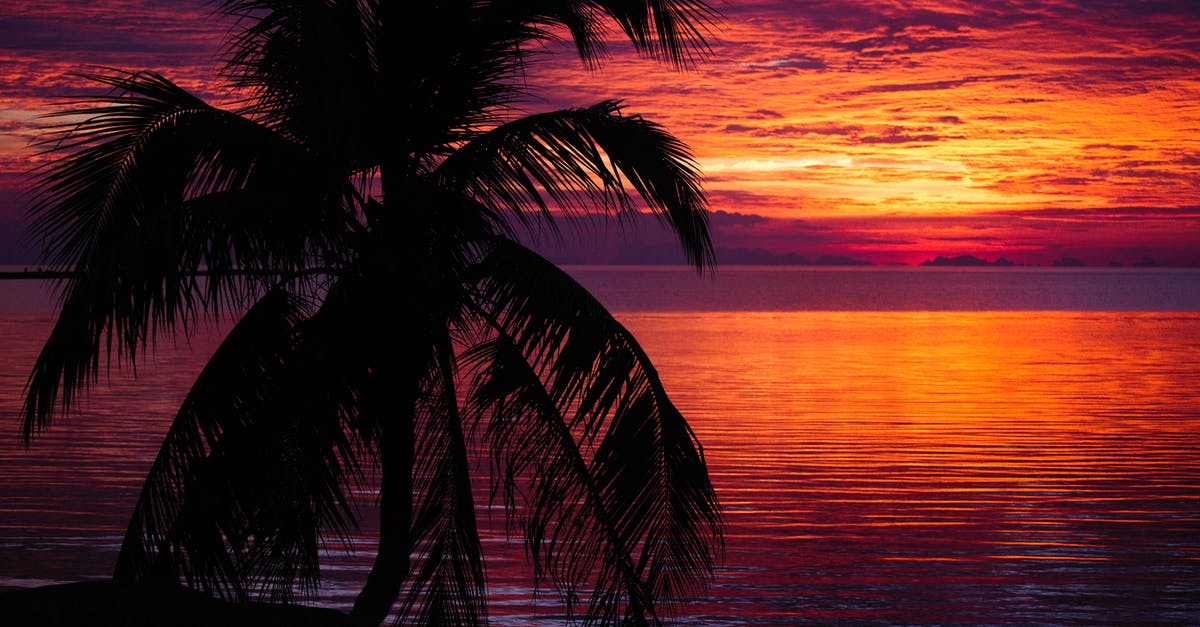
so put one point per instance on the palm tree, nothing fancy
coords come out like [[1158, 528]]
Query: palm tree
[[359, 214]]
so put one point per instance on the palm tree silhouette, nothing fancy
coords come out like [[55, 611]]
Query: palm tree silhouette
[[359, 214]]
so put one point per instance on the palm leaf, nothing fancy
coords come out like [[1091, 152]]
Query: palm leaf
[[150, 189], [447, 586], [621, 501], [671, 30], [535, 444], [576, 159], [327, 74], [253, 469], [309, 68]]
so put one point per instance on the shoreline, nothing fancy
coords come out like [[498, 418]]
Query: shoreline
[[106, 602], [35, 274]]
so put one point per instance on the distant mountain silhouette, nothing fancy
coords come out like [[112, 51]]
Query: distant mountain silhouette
[[965, 261], [1068, 262], [1146, 262]]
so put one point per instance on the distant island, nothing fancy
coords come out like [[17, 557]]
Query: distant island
[[1071, 262], [1064, 262], [966, 261]]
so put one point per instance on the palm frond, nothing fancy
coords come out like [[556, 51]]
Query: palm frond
[[327, 73], [150, 189], [253, 468], [447, 586], [576, 159], [309, 70], [674, 31], [621, 504], [539, 452], [671, 30]]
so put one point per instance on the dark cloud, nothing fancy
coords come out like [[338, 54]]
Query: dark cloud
[[148, 28], [934, 85], [898, 138], [788, 130], [14, 247], [904, 135], [1067, 181], [806, 225], [32, 34], [724, 219], [1157, 175], [964, 238], [904, 44], [1105, 146], [1105, 213], [727, 199], [794, 62], [837, 15]]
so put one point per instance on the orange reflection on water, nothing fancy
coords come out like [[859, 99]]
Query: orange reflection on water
[[936, 443]]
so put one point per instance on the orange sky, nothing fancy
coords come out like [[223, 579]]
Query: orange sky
[[887, 131]]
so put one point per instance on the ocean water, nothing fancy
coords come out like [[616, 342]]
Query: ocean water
[[890, 445], [755, 288]]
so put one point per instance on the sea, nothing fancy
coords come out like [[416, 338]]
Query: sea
[[890, 445]]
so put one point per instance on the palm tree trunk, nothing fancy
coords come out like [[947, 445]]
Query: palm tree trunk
[[398, 363], [392, 559], [388, 403]]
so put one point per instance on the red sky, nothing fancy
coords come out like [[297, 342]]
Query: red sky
[[887, 131]]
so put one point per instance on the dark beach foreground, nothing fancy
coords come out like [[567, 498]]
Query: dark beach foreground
[[106, 603]]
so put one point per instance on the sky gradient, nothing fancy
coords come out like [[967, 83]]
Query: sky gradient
[[885, 131]]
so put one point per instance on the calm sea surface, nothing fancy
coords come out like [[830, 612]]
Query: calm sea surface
[[890, 445]]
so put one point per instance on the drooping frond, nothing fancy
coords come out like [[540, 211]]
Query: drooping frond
[[581, 159], [253, 469], [152, 188], [533, 443], [447, 584], [620, 508], [671, 30], [674, 31]]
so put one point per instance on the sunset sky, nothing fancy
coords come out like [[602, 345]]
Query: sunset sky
[[886, 131]]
